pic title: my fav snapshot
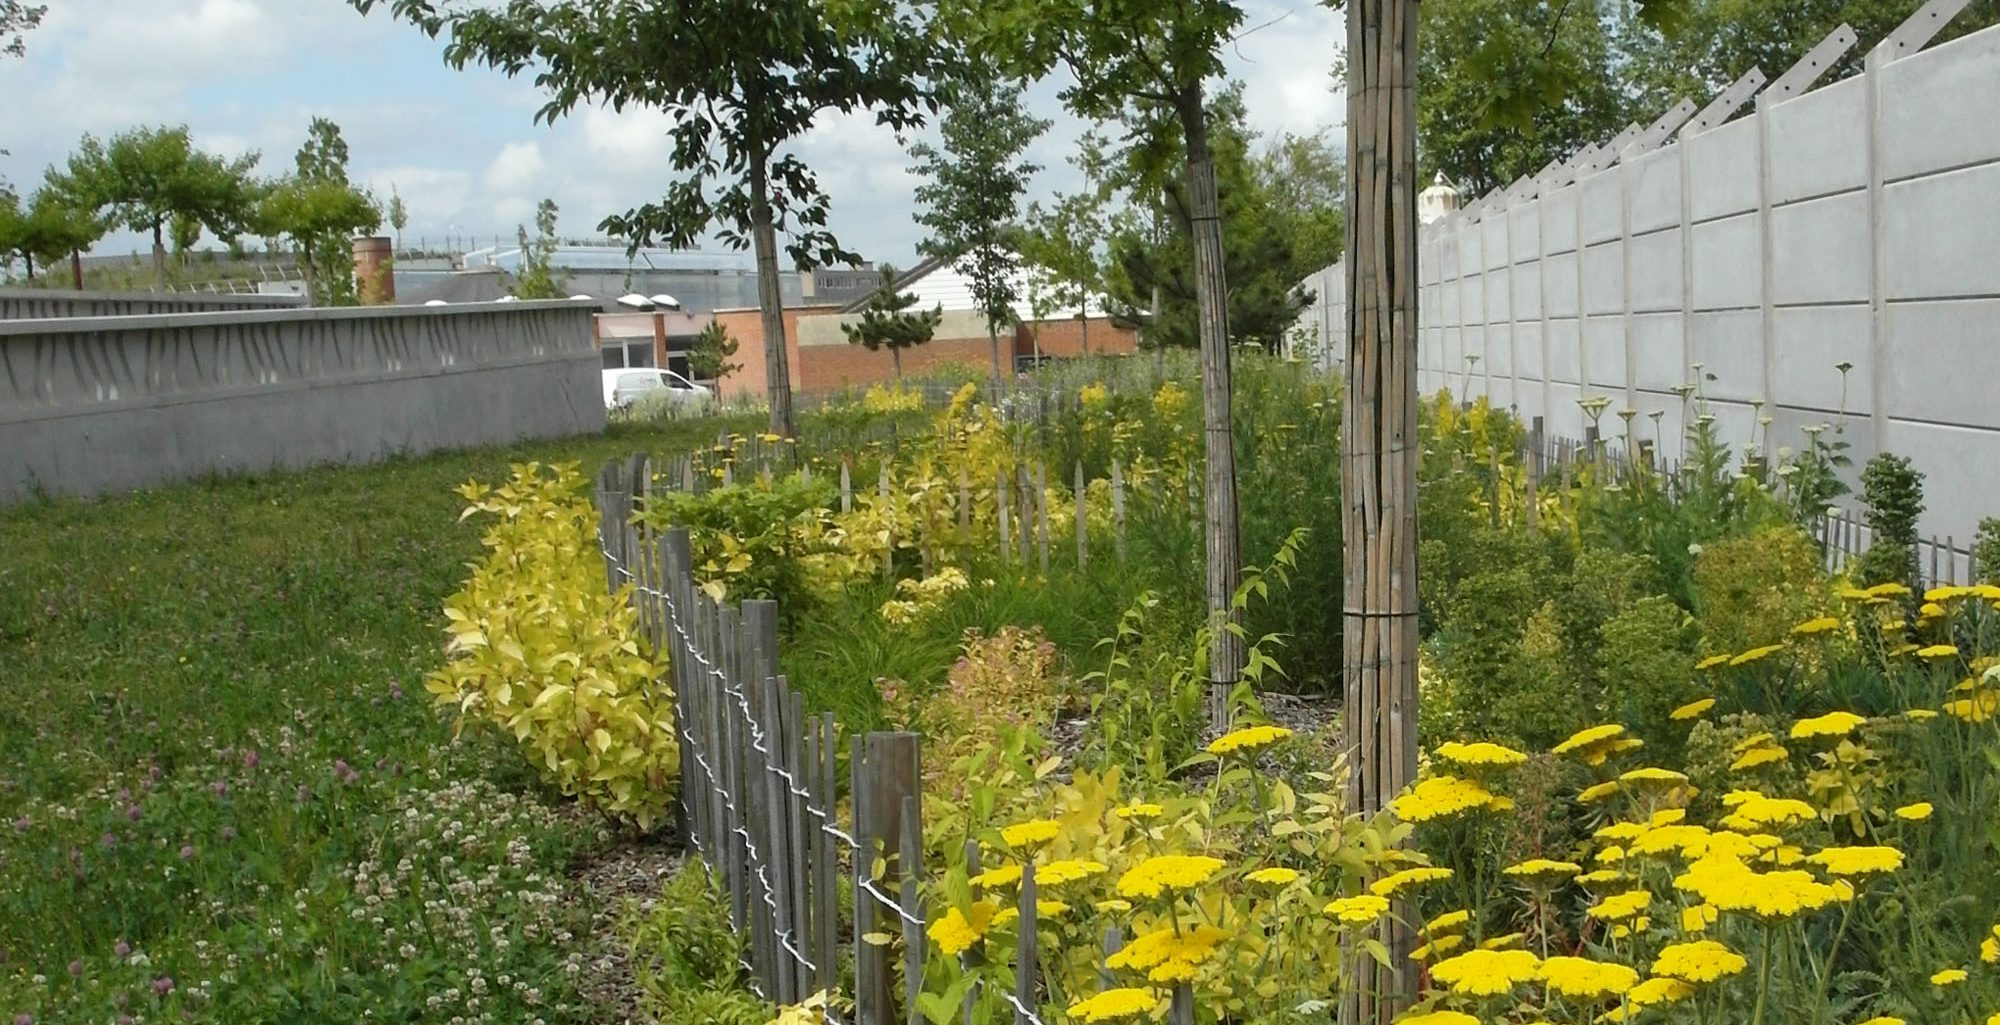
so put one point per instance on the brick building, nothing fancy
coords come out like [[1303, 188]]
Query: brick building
[[821, 358]]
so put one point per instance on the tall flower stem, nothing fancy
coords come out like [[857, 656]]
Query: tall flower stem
[[1832, 952], [1763, 979]]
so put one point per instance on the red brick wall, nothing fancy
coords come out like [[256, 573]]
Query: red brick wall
[[747, 327], [1065, 338]]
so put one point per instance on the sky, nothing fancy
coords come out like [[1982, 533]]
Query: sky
[[463, 148]]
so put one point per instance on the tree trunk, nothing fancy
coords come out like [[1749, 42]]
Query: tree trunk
[[1225, 648], [896, 360], [76, 267], [30, 257], [311, 273], [993, 342], [1379, 429], [770, 300], [1086, 332], [159, 257]]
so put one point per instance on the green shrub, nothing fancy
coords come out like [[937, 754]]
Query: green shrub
[[1751, 591], [687, 959], [1893, 491], [1647, 663]]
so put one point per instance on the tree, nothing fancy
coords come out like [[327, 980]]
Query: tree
[[321, 212], [48, 228], [739, 78], [1150, 277], [1304, 184], [148, 176], [710, 353], [973, 193], [320, 217], [1505, 87], [887, 323], [184, 232], [537, 278], [399, 215], [1136, 60], [1060, 243], [16, 19]]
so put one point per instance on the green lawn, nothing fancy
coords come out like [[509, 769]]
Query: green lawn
[[218, 763]]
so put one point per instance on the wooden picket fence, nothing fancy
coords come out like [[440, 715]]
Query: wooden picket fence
[[1843, 534], [760, 798]]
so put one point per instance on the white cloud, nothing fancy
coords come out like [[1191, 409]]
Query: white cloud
[[519, 167], [464, 149]]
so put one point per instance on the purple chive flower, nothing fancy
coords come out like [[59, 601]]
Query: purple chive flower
[[163, 985], [122, 949], [302, 793], [187, 851], [24, 1018], [133, 812], [108, 841], [395, 690], [250, 759], [125, 1019], [76, 967], [21, 824], [229, 832], [221, 787]]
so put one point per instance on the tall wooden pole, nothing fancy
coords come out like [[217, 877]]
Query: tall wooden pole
[[1379, 458], [1225, 559]]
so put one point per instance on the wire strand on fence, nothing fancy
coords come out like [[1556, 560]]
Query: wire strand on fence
[[827, 821]]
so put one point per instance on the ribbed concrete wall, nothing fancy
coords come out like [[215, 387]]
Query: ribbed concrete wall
[[1856, 223], [36, 303], [97, 404]]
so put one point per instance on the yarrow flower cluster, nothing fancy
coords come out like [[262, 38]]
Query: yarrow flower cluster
[[1168, 873]]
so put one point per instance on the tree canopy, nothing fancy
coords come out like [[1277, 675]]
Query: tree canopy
[[145, 178], [889, 323], [738, 79], [321, 212], [537, 278], [16, 19], [972, 191]]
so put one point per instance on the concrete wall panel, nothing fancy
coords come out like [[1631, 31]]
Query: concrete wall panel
[[1808, 343], [1656, 271], [1727, 263], [1656, 350], [1941, 234], [1963, 336], [1938, 107], [1604, 278], [1601, 217], [1654, 181], [1726, 345], [1820, 251], [1819, 142], [1723, 170]]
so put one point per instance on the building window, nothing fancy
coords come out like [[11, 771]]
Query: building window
[[628, 353]]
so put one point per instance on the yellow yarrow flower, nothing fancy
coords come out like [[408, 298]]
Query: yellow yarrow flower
[[1030, 834], [1914, 812], [1043, 909], [1274, 876], [1597, 792], [1140, 811], [1989, 948], [1937, 651], [1602, 877], [1713, 661], [1885, 1019], [1449, 921], [1441, 797], [1667, 777], [1438, 1018], [957, 931], [1248, 739], [1438, 947], [1512, 939], [1167, 873], [1621, 906], [1858, 861], [1691, 710], [1113, 905], [1622, 832], [1056, 873], [1591, 745], [1832, 724], [1821, 625], [1486, 973], [1115, 1004], [1698, 961], [1169, 956], [1362, 909], [1542, 868], [1759, 756], [1948, 977], [1658, 990], [998, 877], [1696, 918], [1396, 882], [1756, 654], [1580, 978], [1481, 754]]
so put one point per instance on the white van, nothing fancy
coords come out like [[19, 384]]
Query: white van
[[625, 386]]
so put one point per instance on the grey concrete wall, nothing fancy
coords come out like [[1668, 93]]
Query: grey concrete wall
[[36, 303], [1855, 223], [97, 404]]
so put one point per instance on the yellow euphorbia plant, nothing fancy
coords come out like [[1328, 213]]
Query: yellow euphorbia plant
[[543, 651]]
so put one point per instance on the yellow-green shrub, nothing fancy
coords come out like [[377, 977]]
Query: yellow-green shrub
[[540, 651], [1750, 590]]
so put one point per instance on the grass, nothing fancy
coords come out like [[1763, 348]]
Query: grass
[[218, 724]]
